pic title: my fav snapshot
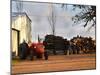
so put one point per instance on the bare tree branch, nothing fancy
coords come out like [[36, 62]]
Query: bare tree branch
[[52, 20]]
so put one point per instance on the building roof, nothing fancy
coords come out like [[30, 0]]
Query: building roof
[[16, 14]]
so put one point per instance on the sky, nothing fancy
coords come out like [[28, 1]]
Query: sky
[[64, 26]]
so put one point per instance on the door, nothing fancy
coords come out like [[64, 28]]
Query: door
[[15, 41]]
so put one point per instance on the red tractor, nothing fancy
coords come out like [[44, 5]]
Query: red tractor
[[36, 49]]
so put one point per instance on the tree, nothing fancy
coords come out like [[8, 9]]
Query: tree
[[19, 6], [86, 15], [52, 22], [52, 19]]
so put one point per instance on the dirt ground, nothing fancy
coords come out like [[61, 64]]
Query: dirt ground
[[56, 63]]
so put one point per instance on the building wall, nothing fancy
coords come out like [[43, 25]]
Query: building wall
[[14, 41], [23, 24]]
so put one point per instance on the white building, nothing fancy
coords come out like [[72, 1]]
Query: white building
[[21, 30]]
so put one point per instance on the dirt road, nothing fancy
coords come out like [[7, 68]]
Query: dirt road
[[56, 63]]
